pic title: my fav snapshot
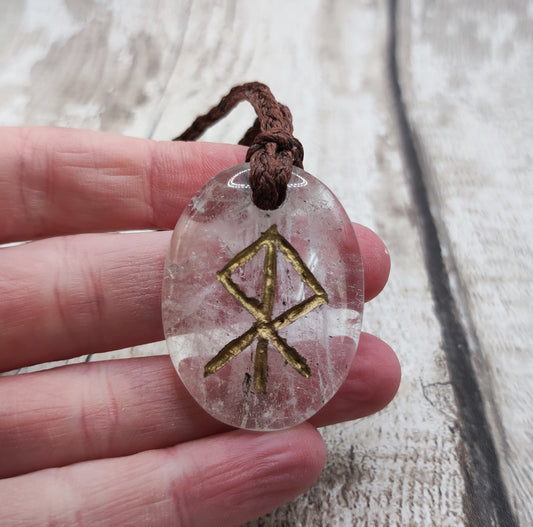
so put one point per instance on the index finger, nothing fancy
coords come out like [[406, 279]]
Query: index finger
[[65, 181]]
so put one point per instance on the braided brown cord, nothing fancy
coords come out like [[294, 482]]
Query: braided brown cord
[[273, 149]]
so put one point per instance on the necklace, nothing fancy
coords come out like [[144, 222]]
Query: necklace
[[263, 282]]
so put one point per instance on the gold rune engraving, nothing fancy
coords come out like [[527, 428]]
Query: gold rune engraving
[[265, 329]]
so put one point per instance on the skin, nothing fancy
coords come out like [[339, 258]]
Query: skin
[[121, 442]]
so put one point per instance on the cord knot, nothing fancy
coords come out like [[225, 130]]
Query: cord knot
[[284, 141], [272, 156]]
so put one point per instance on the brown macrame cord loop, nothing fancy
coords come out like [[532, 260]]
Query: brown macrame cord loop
[[273, 149]]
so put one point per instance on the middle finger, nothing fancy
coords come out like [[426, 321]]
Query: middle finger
[[67, 296], [116, 408]]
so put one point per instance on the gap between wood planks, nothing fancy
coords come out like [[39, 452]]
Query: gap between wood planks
[[486, 502]]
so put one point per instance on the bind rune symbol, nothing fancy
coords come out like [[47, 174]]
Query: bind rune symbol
[[265, 329]]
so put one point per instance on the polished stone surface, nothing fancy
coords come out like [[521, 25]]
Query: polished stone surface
[[202, 318]]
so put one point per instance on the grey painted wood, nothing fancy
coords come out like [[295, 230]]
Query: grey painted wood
[[148, 71]]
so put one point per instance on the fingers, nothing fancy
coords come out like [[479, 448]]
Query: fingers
[[56, 181], [372, 383], [116, 408], [376, 261], [66, 296], [221, 480]]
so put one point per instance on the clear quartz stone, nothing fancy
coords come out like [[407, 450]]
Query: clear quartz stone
[[201, 317]]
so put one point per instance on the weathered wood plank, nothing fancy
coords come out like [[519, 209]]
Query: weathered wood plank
[[99, 65], [400, 467], [466, 74]]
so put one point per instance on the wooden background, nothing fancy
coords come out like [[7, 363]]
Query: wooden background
[[418, 114]]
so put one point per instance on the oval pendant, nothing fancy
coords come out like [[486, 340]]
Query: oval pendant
[[262, 310]]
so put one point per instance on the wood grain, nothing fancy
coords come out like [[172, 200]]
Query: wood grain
[[387, 469], [466, 80], [86, 63], [464, 73]]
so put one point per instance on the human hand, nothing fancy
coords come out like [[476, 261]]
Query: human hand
[[132, 447]]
